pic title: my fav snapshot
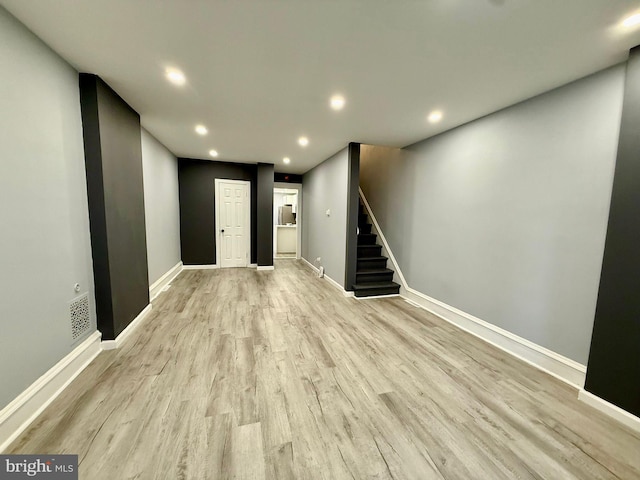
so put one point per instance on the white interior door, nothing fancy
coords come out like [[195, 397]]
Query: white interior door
[[232, 223]]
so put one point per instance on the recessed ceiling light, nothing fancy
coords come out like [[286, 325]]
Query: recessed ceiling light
[[286, 160], [201, 130], [631, 21], [303, 141], [175, 76], [435, 116], [337, 102], [213, 153]]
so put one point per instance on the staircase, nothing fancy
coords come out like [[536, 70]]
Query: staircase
[[373, 278]]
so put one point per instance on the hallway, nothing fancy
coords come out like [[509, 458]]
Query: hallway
[[245, 374]]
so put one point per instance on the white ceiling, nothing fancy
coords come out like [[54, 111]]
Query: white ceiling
[[260, 72]]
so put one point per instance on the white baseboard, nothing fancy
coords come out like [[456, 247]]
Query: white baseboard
[[610, 409], [164, 280], [265, 268], [16, 417], [253, 265], [120, 339], [554, 364], [200, 267], [338, 286], [376, 297], [310, 265], [327, 278], [542, 358]]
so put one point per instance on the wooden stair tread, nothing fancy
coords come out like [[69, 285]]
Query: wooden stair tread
[[375, 285], [373, 271]]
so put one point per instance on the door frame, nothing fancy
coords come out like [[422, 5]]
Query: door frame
[[217, 233], [298, 187]]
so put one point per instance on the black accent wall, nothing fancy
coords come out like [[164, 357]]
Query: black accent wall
[[353, 205], [113, 158], [613, 371], [265, 215], [287, 177], [196, 180]]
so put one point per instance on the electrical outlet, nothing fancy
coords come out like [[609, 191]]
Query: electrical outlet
[[318, 260]]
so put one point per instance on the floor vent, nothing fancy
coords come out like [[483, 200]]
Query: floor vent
[[80, 318]]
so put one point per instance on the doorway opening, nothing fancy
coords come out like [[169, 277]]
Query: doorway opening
[[286, 221]]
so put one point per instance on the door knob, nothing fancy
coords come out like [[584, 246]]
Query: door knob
[[222, 231]]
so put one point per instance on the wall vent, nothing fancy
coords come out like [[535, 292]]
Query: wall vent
[[80, 317]]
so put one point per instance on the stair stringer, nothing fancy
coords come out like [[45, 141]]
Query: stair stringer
[[398, 277]]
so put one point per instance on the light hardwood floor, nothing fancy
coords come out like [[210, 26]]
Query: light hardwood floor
[[246, 374]]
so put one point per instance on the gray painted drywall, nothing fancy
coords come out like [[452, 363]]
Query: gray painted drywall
[[505, 217], [161, 206], [264, 213], [325, 188], [45, 240]]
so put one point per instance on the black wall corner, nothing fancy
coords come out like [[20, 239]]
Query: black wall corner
[[353, 204], [613, 371], [265, 215], [113, 159], [196, 180]]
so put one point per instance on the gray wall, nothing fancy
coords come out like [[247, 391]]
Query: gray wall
[[505, 217], [325, 188], [161, 206], [45, 240], [614, 357]]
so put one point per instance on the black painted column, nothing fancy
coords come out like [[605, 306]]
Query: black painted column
[[113, 160], [265, 215], [353, 205], [613, 372]]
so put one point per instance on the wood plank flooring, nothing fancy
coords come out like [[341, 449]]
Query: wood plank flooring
[[253, 375]]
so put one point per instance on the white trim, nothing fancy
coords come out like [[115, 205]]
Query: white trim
[[310, 265], [331, 281], [375, 297], [542, 358], [610, 409], [124, 335], [554, 364], [338, 286], [264, 268], [200, 267], [164, 280], [247, 207], [253, 265], [16, 417]]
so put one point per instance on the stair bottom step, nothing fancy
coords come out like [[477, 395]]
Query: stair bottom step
[[362, 278], [376, 289]]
